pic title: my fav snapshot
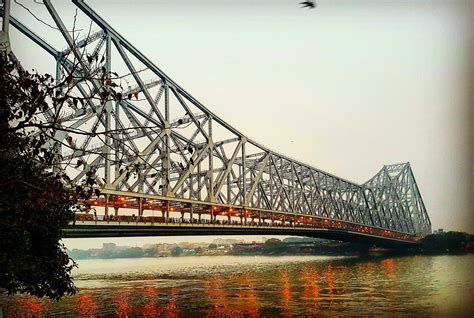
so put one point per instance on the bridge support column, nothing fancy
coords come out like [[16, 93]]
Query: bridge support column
[[182, 216], [167, 211], [273, 219], [199, 217], [106, 204], [116, 208], [106, 212], [191, 213], [140, 207]]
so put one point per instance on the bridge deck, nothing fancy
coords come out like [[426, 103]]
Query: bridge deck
[[101, 228], [205, 218]]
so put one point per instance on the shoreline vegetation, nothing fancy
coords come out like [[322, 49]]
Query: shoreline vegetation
[[434, 244]]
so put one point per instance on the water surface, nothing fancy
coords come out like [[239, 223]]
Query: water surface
[[248, 286]]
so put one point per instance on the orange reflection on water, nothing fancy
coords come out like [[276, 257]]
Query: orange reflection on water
[[285, 294], [329, 275], [171, 310], [149, 308], [248, 294], [217, 298], [311, 289], [29, 306], [85, 304], [389, 266], [367, 268], [330, 280], [124, 308]]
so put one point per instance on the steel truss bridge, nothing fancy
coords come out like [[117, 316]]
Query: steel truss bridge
[[167, 165]]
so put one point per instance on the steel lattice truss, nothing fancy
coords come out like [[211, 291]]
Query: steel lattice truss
[[167, 143]]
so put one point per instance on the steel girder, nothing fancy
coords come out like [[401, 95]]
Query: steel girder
[[167, 143]]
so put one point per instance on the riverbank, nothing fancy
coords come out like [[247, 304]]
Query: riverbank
[[434, 244]]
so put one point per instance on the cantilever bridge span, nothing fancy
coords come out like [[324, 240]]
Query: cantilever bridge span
[[167, 165]]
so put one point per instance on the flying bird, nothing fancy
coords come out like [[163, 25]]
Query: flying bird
[[308, 4]]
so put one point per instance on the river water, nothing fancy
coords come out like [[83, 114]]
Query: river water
[[249, 286]]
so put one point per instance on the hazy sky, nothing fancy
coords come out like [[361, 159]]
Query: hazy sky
[[347, 87]]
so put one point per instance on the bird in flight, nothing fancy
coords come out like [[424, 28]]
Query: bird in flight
[[308, 4]]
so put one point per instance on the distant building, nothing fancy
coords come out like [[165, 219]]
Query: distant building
[[163, 248], [440, 230], [226, 241]]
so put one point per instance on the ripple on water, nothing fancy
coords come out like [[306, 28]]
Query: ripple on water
[[263, 286]]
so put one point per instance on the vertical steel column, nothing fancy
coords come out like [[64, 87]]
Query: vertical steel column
[[108, 110], [211, 161], [6, 16], [292, 177], [116, 144], [166, 148], [199, 181], [4, 32], [270, 166], [244, 186], [229, 201], [190, 186], [58, 70]]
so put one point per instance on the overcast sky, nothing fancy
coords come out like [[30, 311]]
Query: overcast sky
[[347, 87]]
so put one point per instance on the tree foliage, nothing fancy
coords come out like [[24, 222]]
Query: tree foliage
[[449, 242], [176, 251], [35, 202]]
